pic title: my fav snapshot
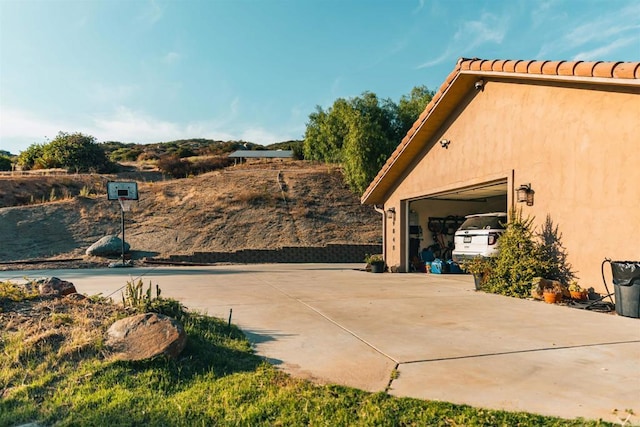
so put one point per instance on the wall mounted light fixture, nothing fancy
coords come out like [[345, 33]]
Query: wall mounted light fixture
[[524, 194], [445, 143], [391, 214], [479, 85]]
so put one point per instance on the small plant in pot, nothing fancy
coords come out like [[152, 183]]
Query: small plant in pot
[[553, 293], [577, 293], [375, 262]]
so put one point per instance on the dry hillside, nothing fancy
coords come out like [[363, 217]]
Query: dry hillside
[[262, 205]]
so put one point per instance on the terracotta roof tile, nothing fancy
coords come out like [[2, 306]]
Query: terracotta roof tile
[[487, 65], [584, 69], [475, 65], [510, 66], [498, 65], [604, 69], [536, 67], [465, 64], [566, 68], [638, 73], [626, 70], [443, 87], [523, 66], [551, 67], [451, 76]]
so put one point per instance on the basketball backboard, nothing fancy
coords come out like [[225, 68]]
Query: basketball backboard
[[117, 190]]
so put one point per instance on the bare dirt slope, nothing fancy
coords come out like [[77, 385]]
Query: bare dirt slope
[[250, 206]]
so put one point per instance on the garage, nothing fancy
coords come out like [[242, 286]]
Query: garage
[[541, 127], [433, 219]]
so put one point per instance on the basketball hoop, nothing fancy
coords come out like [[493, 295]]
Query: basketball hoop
[[125, 193], [125, 204]]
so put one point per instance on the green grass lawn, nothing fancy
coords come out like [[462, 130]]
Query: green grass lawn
[[54, 370]]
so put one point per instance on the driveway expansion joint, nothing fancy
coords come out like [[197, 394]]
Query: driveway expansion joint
[[347, 330], [504, 353]]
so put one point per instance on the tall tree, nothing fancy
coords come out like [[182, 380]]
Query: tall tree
[[411, 106], [372, 137], [361, 132]]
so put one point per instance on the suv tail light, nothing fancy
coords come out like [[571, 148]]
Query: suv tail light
[[493, 238]]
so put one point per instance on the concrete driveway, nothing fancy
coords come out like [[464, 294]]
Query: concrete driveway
[[418, 335]]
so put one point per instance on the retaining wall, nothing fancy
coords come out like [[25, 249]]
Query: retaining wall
[[332, 253]]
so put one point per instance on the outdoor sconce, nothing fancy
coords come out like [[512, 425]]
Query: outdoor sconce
[[391, 214], [445, 143], [524, 194]]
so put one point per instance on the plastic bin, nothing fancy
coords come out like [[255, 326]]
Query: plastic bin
[[626, 286], [437, 266]]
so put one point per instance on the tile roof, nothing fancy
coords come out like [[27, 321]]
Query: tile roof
[[576, 70]]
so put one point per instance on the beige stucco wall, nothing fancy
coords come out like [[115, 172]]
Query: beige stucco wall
[[577, 146]]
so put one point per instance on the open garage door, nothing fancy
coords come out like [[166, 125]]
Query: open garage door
[[433, 219]]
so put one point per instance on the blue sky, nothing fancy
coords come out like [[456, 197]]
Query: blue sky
[[152, 70]]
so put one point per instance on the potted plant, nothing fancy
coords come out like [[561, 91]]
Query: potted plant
[[553, 293], [479, 267], [376, 262], [577, 293]]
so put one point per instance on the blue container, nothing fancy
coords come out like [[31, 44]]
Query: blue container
[[454, 268], [437, 266]]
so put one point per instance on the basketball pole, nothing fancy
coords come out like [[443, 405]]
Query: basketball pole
[[122, 216]]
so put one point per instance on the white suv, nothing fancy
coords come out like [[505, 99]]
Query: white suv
[[478, 235]]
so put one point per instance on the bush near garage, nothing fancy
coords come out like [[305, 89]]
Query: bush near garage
[[520, 258]]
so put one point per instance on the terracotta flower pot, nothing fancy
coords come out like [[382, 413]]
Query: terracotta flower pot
[[552, 297], [578, 295]]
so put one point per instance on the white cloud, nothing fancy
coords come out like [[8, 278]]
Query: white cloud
[[604, 52], [607, 32], [22, 128], [489, 29], [134, 126], [446, 55], [471, 34]]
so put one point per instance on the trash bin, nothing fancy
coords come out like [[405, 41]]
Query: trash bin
[[626, 285]]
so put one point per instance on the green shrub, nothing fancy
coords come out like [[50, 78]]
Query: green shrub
[[174, 166], [143, 301], [125, 154], [519, 260], [29, 158], [554, 254]]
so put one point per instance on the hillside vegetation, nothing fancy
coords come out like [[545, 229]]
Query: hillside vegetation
[[252, 206]]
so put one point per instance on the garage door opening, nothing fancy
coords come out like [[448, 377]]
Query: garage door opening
[[434, 219]]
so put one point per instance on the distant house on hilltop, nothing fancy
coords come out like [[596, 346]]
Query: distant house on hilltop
[[564, 133], [243, 155]]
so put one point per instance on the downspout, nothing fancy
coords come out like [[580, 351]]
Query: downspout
[[384, 231]]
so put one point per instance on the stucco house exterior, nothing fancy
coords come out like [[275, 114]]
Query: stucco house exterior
[[569, 130]]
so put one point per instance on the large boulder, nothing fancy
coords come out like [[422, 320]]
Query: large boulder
[[107, 246], [52, 286], [146, 336]]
